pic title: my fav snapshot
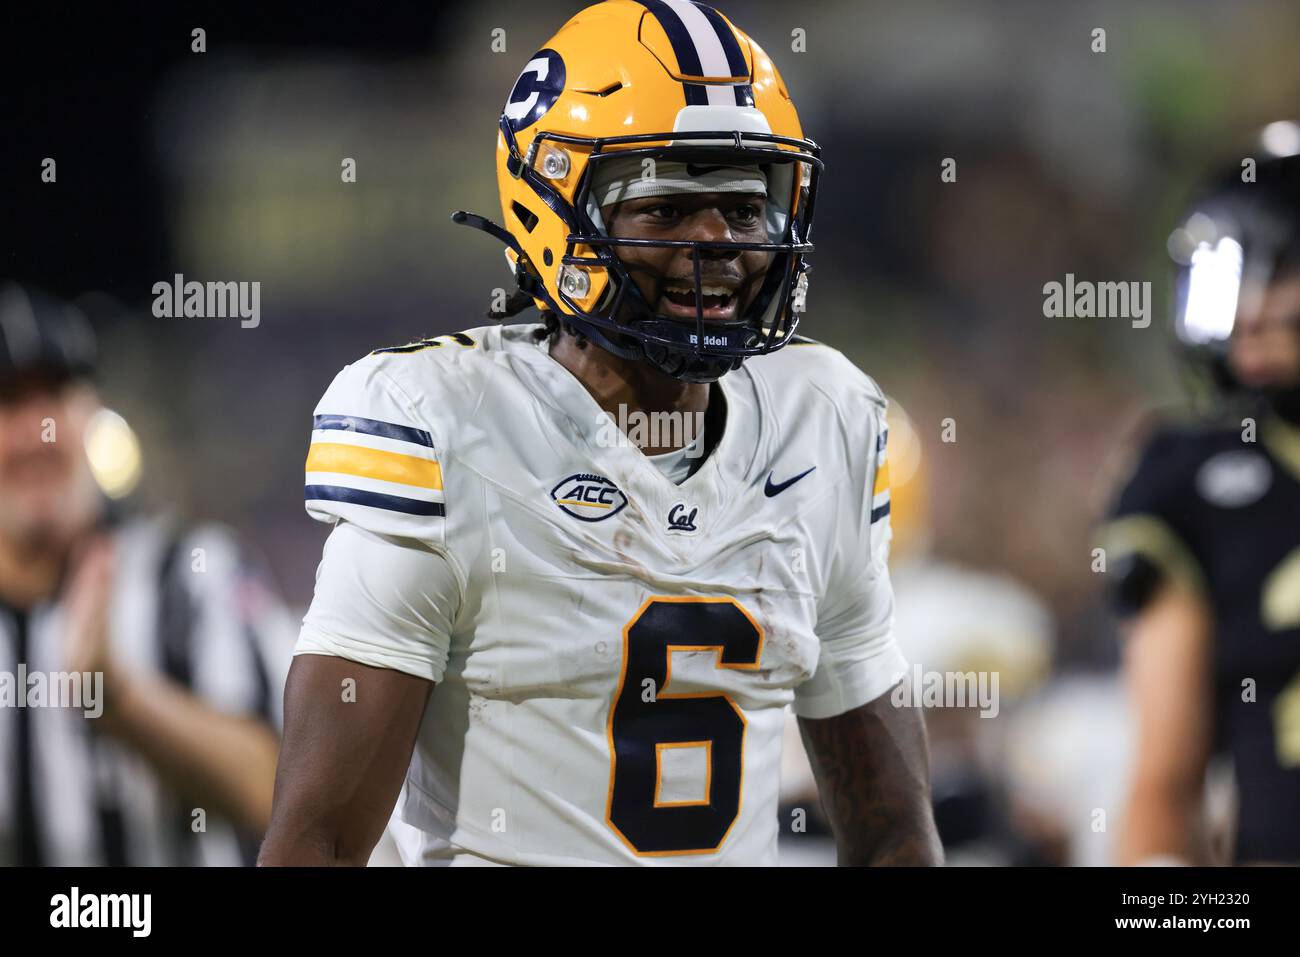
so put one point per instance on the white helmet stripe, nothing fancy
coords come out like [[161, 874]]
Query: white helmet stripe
[[713, 59]]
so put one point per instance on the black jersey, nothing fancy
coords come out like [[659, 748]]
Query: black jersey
[[1222, 514]]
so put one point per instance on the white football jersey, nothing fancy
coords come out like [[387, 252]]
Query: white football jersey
[[613, 652]]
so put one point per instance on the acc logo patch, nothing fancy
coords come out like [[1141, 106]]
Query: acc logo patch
[[536, 90], [588, 498], [1234, 479]]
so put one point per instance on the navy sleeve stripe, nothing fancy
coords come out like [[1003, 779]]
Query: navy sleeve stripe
[[394, 503], [878, 513], [386, 430]]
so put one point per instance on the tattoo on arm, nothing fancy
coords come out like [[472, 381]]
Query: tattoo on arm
[[873, 771]]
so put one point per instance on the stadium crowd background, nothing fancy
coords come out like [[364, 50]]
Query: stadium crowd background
[[225, 166]]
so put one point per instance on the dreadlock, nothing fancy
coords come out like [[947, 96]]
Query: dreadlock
[[552, 326], [515, 304]]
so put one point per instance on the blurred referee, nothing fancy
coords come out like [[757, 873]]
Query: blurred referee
[[186, 643]]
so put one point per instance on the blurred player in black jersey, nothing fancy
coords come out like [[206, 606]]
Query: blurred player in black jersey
[[1205, 539]]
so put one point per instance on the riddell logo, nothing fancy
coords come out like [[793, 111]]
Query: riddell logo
[[710, 340], [588, 498]]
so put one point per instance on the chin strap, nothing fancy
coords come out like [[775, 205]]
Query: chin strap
[[527, 280], [531, 283], [678, 364], [475, 221]]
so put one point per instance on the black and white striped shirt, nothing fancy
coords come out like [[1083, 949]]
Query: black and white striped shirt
[[187, 606]]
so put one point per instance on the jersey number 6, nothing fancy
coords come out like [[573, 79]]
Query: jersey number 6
[[645, 721]]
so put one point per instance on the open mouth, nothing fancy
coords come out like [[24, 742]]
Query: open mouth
[[678, 301]]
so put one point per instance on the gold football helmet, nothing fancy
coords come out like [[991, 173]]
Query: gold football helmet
[[657, 80]]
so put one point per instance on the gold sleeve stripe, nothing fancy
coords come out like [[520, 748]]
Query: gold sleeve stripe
[[374, 464], [1152, 537], [1283, 441], [882, 479], [1281, 607]]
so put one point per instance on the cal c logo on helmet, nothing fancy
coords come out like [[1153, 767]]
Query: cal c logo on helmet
[[536, 90], [590, 498]]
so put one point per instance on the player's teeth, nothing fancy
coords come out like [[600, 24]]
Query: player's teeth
[[707, 290]]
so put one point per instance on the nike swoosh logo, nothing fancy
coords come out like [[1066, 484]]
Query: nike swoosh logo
[[693, 170], [770, 490]]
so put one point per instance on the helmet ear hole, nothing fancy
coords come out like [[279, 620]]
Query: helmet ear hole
[[525, 217]]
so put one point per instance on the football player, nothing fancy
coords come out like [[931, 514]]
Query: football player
[[613, 624], [1206, 535]]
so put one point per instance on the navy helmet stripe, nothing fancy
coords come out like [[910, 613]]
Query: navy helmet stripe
[[386, 430], [730, 46], [735, 56], [696, 94], [354, 496], [688, 59]]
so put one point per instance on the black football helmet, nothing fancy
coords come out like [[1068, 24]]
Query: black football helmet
[[1240, 234]]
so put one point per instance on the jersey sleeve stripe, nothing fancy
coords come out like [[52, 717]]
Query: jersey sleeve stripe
[[387, 430], [373, 442], [362, 484], [393, 503], [879, 512], [1152, 537], [882, 479], [375, 464]]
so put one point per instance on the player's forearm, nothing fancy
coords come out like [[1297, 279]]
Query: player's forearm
[[343, 759], [298, 838], [872, 768], [322, 822], [1161, 823], [223, 763], [1168, 655]]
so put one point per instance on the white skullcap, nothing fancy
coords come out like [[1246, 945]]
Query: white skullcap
[[617, 180]]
